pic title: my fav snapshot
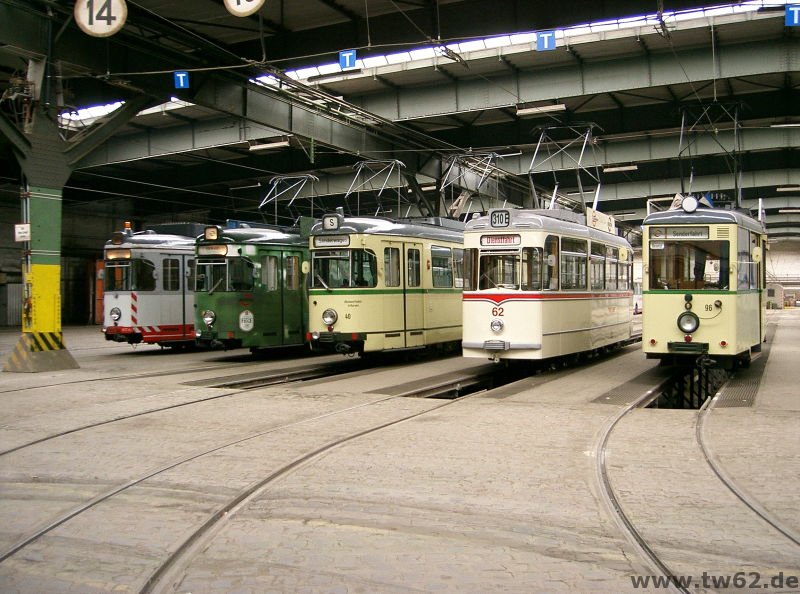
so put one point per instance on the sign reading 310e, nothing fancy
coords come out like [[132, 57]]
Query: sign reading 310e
[[100, 18]]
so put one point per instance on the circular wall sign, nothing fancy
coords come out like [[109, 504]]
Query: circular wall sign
[[243, 8], [100, 18], [246, 320]]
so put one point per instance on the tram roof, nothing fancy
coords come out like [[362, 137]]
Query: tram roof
[[258, 236], [436, 228], [555, 221], [152, 239], [705, 216]]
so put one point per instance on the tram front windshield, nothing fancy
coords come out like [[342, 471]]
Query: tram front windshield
[[335, 269], [518, 269], [224, 275], [680, 265], [136, 274]]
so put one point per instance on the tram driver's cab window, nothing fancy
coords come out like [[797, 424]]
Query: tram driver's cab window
[[682, 265]]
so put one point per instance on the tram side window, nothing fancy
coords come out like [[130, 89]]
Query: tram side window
[[170, 271], [531, 269], [470, 269], [391, 266], [573, 263], [365, 269], [679, 265], [190, 275], [458, 267], [747, 270], [625, 277], [117, 276], [413, 273], [442, 268], [598, 267], [144, 277], [240, 274], [550, 264], [269, 273], [292, 265], [612, 269]]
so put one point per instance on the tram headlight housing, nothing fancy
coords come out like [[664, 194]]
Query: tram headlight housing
[[329, 317], [115, 314], [688, 322], [497, 325], [209, 317]]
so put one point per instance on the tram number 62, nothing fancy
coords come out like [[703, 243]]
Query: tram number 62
[[497, 311]]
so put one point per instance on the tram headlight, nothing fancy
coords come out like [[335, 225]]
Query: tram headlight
[[688, 322], [497, 325], [209, 317], [115, 314], [329, 317]]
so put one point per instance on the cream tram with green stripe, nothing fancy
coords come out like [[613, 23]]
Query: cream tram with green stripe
[[379, 284], [544, 283], [703, 283]]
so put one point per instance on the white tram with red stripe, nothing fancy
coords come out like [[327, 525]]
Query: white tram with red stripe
[[544, 283], [149, 285]]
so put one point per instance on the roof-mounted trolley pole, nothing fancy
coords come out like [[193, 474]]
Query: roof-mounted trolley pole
[[705, 122], [293, 185], [562, 156], [469, 172], [374, 176]]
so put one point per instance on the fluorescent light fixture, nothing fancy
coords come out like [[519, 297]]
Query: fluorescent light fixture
[[789, 211], [427, 188], [621, 214], [795, 125], [517, 154], [521, 110], [269, 145], [614, 168], [794, 188]]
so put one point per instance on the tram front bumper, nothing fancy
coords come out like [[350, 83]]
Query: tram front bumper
[[697, 348], [339, 342], [502, 345]]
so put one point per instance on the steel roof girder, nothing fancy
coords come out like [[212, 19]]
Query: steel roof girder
[[619, 75], [702, 183]]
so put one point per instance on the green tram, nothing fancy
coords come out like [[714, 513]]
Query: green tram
[[250, 288], [381, 285]]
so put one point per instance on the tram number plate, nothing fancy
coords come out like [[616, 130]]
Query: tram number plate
[[500, 218], [246, 320]]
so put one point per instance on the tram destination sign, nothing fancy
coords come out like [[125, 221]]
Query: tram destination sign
[[679, 232], [500, 240], [331, 241]]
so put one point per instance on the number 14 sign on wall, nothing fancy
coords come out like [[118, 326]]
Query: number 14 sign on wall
[[100, 18]]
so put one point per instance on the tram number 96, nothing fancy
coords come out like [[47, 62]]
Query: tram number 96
[[497, 311], [500, 218]]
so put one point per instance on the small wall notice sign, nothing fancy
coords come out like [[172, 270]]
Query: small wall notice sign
[[22, 232]]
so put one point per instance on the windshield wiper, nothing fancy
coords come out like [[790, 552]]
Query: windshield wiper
[[319, 278], [214, 288]]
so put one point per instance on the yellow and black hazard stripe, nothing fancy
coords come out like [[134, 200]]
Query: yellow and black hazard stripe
[[43, 341], [40, 351]]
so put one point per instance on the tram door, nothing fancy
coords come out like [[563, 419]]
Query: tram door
[[187, 290], [293, 304], [414, 294]]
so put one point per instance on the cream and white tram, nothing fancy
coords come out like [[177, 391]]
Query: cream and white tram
[[380, 285], [704, 280], [543, 283], [148, 284]]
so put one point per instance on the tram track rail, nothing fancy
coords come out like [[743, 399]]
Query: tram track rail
[[627, 526], [433, 391], [238, 386], [455, 388]]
